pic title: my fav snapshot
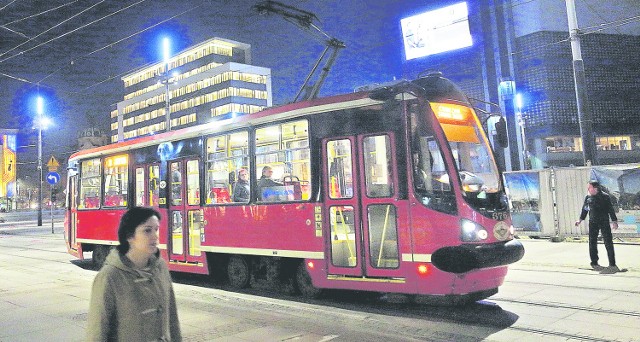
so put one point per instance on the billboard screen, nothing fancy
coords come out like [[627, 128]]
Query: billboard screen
[[436, 31]]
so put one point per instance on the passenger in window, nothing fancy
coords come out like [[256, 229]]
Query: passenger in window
[[266, 182], [241, 191]]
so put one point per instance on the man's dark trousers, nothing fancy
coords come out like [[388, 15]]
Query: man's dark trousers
[[607, 238]]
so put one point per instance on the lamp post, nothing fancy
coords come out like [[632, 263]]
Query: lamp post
[[40, 109], [166, 54]]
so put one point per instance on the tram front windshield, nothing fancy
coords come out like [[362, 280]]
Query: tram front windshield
[[477, 169]]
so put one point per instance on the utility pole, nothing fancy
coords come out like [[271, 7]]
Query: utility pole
[[584, 113]]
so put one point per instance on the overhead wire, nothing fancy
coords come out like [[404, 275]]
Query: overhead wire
[[606, 26], [39, 14], [43, 32], [582, 32], [76, 29], [118, 42], [596, 13], [7, 5]]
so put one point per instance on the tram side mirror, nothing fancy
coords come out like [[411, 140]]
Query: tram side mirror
[[501, 133]]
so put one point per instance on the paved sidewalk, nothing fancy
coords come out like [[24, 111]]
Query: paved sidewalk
[[575, 254]]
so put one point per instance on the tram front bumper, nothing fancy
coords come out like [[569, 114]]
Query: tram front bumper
[[464, 258]]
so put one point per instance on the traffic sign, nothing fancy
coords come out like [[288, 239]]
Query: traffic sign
[[53, 164], [53, 177]]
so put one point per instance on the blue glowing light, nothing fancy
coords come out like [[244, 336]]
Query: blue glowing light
[[150, 45], [39, 105], [166, 49], [519, 101]]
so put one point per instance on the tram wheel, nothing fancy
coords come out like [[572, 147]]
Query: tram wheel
[[304, 284], [238, 272], [99, 255]]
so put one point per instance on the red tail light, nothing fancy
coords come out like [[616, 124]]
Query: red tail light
[[423, 269]]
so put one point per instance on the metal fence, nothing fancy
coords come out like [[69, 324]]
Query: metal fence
[[547, 202]]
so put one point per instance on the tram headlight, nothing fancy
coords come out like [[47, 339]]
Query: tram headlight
[[471, 231]]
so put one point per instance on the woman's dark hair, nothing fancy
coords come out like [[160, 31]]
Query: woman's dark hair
[[595, 184], [129, 222]]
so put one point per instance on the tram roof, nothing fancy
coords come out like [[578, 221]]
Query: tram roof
[[272, 114]]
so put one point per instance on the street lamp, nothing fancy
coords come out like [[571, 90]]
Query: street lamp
[[41, 123], [166, 55]]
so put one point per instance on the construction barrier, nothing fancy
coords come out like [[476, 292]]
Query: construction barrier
[[547, 202]]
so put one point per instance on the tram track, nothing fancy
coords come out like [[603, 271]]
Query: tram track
[[556, 305], [631, 292]]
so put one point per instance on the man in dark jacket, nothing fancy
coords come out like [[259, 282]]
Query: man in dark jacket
[[598, 205]]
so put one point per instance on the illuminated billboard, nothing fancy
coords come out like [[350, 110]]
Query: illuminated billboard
[[7, 163], [436, 31]]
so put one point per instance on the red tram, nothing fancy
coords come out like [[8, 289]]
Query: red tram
[[392, 190]]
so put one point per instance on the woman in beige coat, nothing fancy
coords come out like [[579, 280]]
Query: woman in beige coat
[[132, 298]]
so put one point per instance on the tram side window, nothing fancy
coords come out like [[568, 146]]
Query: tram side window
[[340, 168], [284, 148], [154, 185], [90, 190], [377, 160], [140, 190], [116, 181], [227, 155], [176, 183], [193, 182]]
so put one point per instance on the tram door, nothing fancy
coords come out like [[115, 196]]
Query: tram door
[[360, 213], [185, 213], [72, 208]]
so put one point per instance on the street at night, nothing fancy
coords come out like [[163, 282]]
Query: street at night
[[401, 170]]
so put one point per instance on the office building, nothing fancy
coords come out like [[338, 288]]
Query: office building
[[207, 81]]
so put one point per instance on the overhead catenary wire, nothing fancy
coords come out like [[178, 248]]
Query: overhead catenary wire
[[38, 14], [606, 26], [118, 42], [76, 29], [43, 32], [7, 5], [596, 13]]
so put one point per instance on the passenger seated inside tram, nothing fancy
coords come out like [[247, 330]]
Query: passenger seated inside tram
[[241, 190], [265, 182]]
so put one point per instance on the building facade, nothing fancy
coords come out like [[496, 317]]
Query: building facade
[[207, 81], [544, 74]]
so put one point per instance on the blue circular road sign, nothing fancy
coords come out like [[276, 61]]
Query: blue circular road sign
[[53, 178]]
